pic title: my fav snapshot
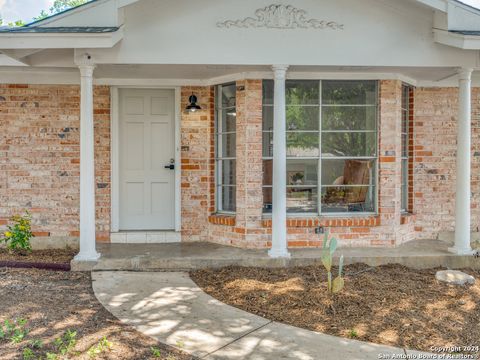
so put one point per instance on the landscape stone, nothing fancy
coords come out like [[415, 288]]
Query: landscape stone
[[454, 277]]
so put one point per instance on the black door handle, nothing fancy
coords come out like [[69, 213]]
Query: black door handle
[[171, 167]]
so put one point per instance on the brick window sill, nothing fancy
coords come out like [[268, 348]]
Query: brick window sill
[[367, 221], [407, 218], [218, 219]]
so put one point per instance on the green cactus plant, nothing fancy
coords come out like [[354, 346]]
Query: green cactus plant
[[328, 249]]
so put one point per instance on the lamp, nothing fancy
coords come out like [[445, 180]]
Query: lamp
[[193, 106]]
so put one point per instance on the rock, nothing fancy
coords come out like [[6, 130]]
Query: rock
[[454, 277]]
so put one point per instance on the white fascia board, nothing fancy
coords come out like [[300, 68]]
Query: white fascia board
[[59, 40], [466, 42], [441, 5]]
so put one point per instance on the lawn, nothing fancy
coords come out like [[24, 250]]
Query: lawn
[[62, 316], [391, 304]]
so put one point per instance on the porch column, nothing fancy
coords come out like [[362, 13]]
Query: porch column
[[462, 200], [87, 163], [279, 184]]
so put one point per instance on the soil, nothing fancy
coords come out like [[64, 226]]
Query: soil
[[53, 302], [390, 304], [54, 256]]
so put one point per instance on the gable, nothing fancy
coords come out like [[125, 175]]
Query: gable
[[354, 33]]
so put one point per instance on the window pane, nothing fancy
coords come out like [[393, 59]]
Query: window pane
[[348, 199], [267, 144], [302, 172], [267, 92], [267, 172], [349, 144], [303, 117], [302, 200], [348, 172], [349, 92], [267, 123], [228, 196], [228, 95], [229, 118], [302, 92], [226, 145], [267, 200], [404, 145], [349, 118], [404, 184], [302, 144], [227, 172]]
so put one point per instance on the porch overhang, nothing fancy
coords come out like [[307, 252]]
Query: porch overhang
[[466, 40]]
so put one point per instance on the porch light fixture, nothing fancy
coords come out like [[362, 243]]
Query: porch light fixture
[[193, 106]]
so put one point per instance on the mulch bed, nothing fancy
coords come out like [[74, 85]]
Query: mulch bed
[[390, 304], [53, 302], [52, 259]]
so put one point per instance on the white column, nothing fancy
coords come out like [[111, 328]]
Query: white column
[[462, 200], [88, 251], [279, 188]]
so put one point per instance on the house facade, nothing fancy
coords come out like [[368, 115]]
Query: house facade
[[249, 124]]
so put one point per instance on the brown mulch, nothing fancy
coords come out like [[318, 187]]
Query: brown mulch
[[390, 304], [53, 302], [54, 256]]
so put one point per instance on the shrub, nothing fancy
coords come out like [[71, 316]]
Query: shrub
[[19, 234]]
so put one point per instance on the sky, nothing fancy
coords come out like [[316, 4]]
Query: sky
[[11, 10]]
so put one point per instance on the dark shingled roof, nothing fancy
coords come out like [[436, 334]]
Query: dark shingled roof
[[65, 30], [466, 32]]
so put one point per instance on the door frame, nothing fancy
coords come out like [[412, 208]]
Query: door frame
[[115, 153]]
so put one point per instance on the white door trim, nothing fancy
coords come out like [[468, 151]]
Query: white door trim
[[115, 154]]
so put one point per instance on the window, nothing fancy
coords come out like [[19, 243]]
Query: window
[[331, 146], [225, 147], [405, 145]]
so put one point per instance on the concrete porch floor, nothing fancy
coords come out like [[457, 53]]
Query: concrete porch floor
[[188, 256]]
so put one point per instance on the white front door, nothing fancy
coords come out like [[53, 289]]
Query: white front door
[[147, 146]]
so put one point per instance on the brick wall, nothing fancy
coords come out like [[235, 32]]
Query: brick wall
[[39, 167], [435, 133], [40, 157], [197, 159]]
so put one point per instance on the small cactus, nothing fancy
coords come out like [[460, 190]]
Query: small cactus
[[328, 249]]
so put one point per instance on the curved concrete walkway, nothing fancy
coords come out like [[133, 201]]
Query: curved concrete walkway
[[171, 308]]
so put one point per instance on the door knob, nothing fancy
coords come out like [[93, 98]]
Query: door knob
[[170, 166]]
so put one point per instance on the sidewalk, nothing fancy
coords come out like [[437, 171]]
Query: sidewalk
[[169, 307]]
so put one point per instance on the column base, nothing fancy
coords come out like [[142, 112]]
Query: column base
[[87, 256], [275, 253], [461, 251]]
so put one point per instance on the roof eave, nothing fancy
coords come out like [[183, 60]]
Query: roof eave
[[59, 40], [465, 42]]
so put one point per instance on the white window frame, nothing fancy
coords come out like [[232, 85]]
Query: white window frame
[[218, 133], [405, 158], [320, 157]]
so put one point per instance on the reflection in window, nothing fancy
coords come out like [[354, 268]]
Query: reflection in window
[[225, 147], [331, 146]]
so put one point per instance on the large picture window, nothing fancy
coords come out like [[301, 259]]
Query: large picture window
[[225, 147], [331, 146]]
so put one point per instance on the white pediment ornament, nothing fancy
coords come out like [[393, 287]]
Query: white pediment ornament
[[281, 17]]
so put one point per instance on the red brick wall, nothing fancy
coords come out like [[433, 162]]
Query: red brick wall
[[40, 156], [435, 133], [197, 158], [39, 167]]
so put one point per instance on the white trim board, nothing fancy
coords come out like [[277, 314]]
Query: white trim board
[[115, 158]]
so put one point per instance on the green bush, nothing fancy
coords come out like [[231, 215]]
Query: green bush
[[19, 233]]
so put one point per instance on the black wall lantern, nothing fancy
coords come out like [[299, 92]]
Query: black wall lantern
[[193, 106]]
